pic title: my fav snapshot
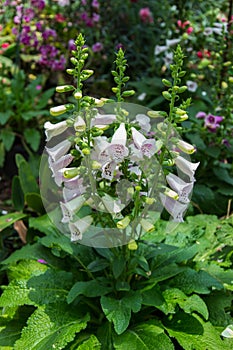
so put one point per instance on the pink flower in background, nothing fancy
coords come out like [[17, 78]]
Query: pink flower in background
[[146, 15], [97, 47], [211, 121]]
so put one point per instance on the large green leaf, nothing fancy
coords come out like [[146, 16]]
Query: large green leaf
[[10, 333], [191, 281], [51, 327], [27, 180], [92, 343], [32, 137], [91, 289], [8, 138], [50, 287], [118, 311], [143, 337], [34, 202], [4, 116], [189, 304], [2, 154], [9, 219], [210, 339], [17, 196]]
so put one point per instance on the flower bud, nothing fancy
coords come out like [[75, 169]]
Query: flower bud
[[70, 173], [95, 165], [182, 89], [147, 226], [185, 147], [132, 245], [166, 95], [78, 94], [128, 93], [74, 61], [138, 188], [224, 85], [86, 151], [166, 82], [122, 224], [64, 88], [79, 124], [149, 200], [170, 193], [70, 71], [58, 110]]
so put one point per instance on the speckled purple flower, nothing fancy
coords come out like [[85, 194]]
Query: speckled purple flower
[[211, 121]]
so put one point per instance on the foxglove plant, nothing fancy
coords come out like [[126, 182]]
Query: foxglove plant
[[112, 163]]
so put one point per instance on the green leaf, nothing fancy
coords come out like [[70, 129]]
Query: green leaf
[[92, 343], [9, 219], [185, 323], [91, 289], [51, 327], [42, 103], [118, 266], [27, 180], [32, 137], [19, 159], [5, 116], [189, 304], [8, 138], [118, 311], [223, 175], [43, 224], [50, 287], [35, 251], [153, 297], [191, 281], [34, 202], [17, 196], [210, 339], [10, 333], [144, 336]]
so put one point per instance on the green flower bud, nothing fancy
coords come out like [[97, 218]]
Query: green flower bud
[[78, 94], [166, 95], [182, 89], [64, 88], [70, 173], [166, 82], [128, 93], [74, 61], [86, 151], [122, 224], [132, 245], [70, 71]]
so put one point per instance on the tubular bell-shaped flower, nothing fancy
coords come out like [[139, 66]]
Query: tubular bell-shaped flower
[[52, 130], [186, 167], [69, 208], [174, 207], [59, 150], [58, 165], [183, 188], [78, 227], [144, 147]]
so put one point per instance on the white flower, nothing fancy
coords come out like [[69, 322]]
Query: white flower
[[52, 130], [70, 208], [168, 59], [172, 42], [142, 96], [174, 207], [144, 147], [79, 124], [228, 331], [143, 121], [186, 167], [159, 49], [191, 85], [58, 165], [181, 187], [103, 119], [59, 150], [79, 227]]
